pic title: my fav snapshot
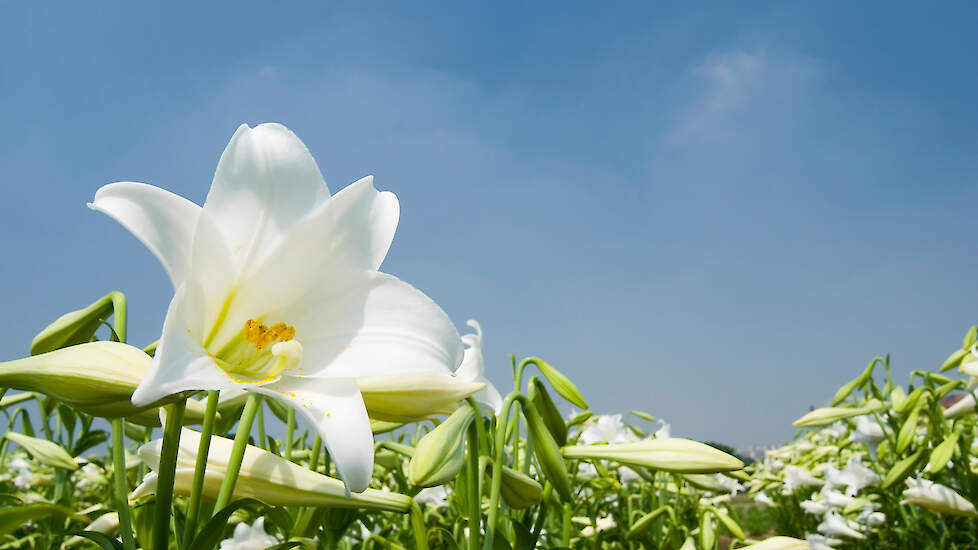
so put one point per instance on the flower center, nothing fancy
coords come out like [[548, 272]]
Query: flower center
[[259, 353]]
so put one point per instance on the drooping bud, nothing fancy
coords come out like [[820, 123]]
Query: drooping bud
[[645, 522], [561, 383], [828, 415], [908, 430], [44, 451], [942, 454], [547, 451], [411, 397], [76, 327], [440, 454], [548, 411], [677, 455], [518, 489], [263, 476]]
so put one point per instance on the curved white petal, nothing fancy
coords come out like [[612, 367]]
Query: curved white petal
[[265, 182], [367, 323], [180, 363], [473, 369], [359, 226], [334, 406], [161, 220]]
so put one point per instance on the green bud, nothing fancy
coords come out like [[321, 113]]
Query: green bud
[[909, 403], [381, 427], [729, 523], [580, 418], [645, 522], [440, 454], [739, 474], [76, 327], [902, 469], [708, 537], [561, 383], [970, 338], [828, 415], [518, 489], [44, 451], [703, 482], [548, 411], [908, 430], [779, 543], [689, 544], [643, 415], [942, 454], [676, 455], [547, 451], [860, 380], [411, 397], [897, 398], [955, 359], [856, 505]]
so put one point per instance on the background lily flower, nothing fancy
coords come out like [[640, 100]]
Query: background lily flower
[[277, 290], [937, 497], [606, 428], [834, 525], [473, 369], [249, 537]]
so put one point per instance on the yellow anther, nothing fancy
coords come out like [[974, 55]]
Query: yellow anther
[[252, 331], [262, 336]]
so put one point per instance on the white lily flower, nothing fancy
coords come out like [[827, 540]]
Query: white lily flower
[[871, 517], [628, 475], [664, 431], [248, 537], [867, 431], [834, 525], [857, 477], [473, 369], [937, 497], [433, 496], [729, 484], [25, 477], [815, 507], [796, 476], [277, 290], [821, 542], [601, 524], [837, 499], [962, 407], [762, 498], [606, 428]]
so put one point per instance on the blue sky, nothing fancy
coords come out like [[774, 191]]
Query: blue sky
[[715, 214]]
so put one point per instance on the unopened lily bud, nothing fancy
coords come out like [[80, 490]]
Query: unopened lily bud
[[579, 418], [909, 403], [708, 537], [902, 469], [845, 390], [263, 476], [44, 451], [937, 497], [548, 411], [703, 482], [76, 327], [828, 415], [779, 543], [547, 452], [670, 455], [439, 455], [942, 454], [908, 430], [561, 384], [518, 489], [897, 397], [964, 406], [105, 524], [411, 397], [380, 427], [729, 523], [954, 359]]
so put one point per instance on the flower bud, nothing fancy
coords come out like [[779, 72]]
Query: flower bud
[[439, 455], [561, 384], [828, 415], [708, 537], [908, 430], [411, 397], [909, 402], [644, 522], [964, 406], [779, 543], [44, 451], [937, 497], [729, 523], [263, 476], [548, 411], [942, 454], [902, 469], [845, 390], [547, 452], [518, 489], [670, 455], [76, 327]]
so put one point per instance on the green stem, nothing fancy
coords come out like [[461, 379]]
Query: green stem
[[119, 479], [475, 497], [166, 474], [497, 468], [200, 468], [237, 451], [289, 429], [314, 456], [262, 442], [417, 526]]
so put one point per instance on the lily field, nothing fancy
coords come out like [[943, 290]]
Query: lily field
[[299, 397]]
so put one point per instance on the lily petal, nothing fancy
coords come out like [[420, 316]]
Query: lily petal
[[180, 363], [161, 220], [360, 225], [265, 182], [335, 408]]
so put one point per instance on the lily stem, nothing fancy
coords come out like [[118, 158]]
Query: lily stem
[[289, 431], [119, 484], [200, 467], [168, 466], [475, 498], [237, 451]]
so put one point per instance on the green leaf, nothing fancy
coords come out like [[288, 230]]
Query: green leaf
[[13, 518], [213, 532], [89, 440], [101, 539]]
